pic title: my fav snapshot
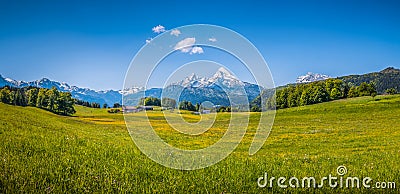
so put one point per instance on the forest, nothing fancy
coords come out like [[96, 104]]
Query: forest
[[48, 99], [317, 92]]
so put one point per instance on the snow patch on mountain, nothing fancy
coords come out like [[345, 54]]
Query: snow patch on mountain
[[131, 90], [222, 78], [311, 77]]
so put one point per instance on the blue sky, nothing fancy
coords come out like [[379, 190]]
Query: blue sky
[[90, 44]]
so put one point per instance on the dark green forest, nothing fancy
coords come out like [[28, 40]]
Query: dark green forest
[[383, 80], [48, 99]]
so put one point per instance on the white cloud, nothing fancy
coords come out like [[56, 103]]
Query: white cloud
[[175, 32], [212, 39], [158, 29], [197, 50], [185, 45], [148, 40]]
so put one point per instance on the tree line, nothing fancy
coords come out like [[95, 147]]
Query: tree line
[[317, 92], [153, 101], [87, 104], [48, 99]]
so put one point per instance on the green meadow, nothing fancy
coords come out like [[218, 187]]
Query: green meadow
[[92, 151]]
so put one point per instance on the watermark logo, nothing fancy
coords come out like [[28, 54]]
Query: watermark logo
[[341, 170], [154, 64], [332, 181]]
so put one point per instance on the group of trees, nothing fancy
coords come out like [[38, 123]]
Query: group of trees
[[95, 104], [362, 90], [153, 101], [49, 99], [168, 102], [150, 101], [117, 105], [224, 109], [87, 104], [187, 105], [391, 91], [316, 92]]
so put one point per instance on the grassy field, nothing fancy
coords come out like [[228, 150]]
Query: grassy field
[[93, 152]]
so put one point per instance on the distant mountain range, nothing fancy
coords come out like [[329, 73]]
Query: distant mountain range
[[110, 96], [199, 89], [193, 88], [311, 77]]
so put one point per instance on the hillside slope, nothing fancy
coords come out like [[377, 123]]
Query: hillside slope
[[385, 79]]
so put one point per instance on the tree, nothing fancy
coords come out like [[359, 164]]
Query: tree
[[32, 95], [150, 101], [366, 89], [105, 105], [52, 96], [320, 95], [13, 97], [20, 99], [335, 94], [255, 109], [42, 100], [5, 95], [292, 100], [94, 105], [116, 105], [168, 102], [353, 92], [186, 105], [68, 103], [391, 91], [281, 99], [305, 98]]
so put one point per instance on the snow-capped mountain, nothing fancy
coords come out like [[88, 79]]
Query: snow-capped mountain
[[222, 88], [131, 90], [222, 77], [110, 96], [311, 77]]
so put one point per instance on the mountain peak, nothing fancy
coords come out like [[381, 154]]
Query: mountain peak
[[223, 70], [44, 80], [192, 77], [311, 77], [224, 74]]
